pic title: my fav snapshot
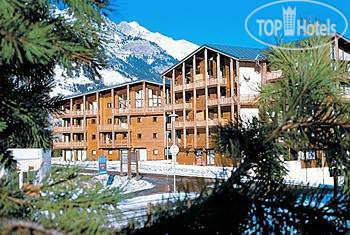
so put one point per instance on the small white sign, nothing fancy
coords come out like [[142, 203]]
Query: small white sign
[[174, 149]]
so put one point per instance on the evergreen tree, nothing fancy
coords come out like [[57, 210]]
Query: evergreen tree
[[35, 37], [304, 109]]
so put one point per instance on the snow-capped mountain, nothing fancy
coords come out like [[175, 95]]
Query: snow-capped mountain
[[133, 53]]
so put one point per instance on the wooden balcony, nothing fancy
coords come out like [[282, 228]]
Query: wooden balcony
[[77, 113], [201, 123], [154, 110], [105, 127], [69, 145], [120, 111], [104, 145], [178, 88], [226, 100], [213, 102], [110, 127], [91, 112], [199, 81], [78, 129], [216, 81], [61, 129], [213, 122], [121, 127], [137, 111], [123, 143], [182, 106], [273, 76], [248, 100]]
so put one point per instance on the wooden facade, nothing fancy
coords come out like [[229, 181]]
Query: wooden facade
[[205, 93], [204, 90], [111, 121]]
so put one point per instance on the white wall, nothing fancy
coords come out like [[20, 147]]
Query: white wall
[[37, 159], [248, 113], [249, 81], [311, 176]]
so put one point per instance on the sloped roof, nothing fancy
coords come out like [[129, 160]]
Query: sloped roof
[[152, 81], [243, 53]]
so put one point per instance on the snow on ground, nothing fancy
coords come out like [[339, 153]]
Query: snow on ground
[[126, 185], [162, 167], [136, 208]]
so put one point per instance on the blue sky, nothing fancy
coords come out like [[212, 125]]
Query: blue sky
[[201, 21]]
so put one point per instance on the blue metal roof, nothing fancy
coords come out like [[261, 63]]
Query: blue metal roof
[[243, 53]]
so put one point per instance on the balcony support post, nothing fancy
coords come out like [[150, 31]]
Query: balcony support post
[[238, 99], [84, 118], [184, 82], [128, 116], [98, 118], [194, 102], [163, 95], [206, 99], [336, 42], [71, 118], [113, 122], [219, 77], [232, 91]]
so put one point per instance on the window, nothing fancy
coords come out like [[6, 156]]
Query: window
[[139, 135], [155, 151], [125, 135], [109, 105], [154, 98], [110, 152], [155, 119], [122, 101], [93, 137], [155, 135], [93, 121], [93, 152], [139, 119], [109, 120], [139, 99]]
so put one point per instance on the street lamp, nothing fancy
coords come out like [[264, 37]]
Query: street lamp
[[174, 149]]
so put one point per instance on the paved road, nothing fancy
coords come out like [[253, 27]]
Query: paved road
[[164, 183]]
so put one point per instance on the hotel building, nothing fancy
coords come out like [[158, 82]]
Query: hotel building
[[213, 85]]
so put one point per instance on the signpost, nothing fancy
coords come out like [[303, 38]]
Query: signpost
[[102, 165], [174, 149]]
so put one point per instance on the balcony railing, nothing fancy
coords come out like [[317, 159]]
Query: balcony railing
[[126, 111], [220, 81], [120, 111], [199, 82], [71, 144], [213, 122], [154, 109], [273, 75], [248, 99], [226, 100], [121, 143], [107, 144], [77, 113], [78, 128], [201, 122], [105, 127], [92, 112], [212, 102], [59, 129], [121, 127]]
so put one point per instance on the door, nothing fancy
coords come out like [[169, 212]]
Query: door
[[143, 154], [211, 157]]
